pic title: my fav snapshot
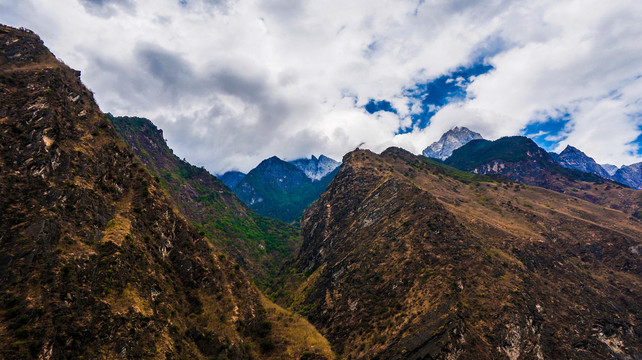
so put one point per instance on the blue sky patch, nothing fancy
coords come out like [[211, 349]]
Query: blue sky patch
[[383, 105], [438, 92], [546, 133], [638, 142], [433, 95]]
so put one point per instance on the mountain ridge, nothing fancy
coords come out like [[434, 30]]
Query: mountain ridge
[[420, 260]]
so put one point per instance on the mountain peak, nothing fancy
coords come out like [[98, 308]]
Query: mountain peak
[[450, 141], [573, 158], [316, 168], [630, 175]]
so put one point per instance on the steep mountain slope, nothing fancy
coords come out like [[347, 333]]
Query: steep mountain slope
[[573, 158], [406, 258], [449, 142], [94, 260], [520, 159], [316, 168], [260, 245], [630, 175], [231, 178], [280, 190]]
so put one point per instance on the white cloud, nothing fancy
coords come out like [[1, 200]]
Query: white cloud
[[235, 81]]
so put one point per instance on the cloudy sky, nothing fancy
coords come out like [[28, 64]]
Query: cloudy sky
[[232, 82]]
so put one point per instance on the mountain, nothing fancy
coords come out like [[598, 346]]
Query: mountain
[[449, 142], [407, 258], [280, 190], [231, 178], [610, 169], [573, 158], [316, 168], [260, 245], [630, 175], [95, 260], [520, 159]]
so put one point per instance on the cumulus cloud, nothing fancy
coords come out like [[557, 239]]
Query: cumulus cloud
[[232, 82]]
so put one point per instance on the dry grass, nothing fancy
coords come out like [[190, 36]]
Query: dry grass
[[130, 298], [295, 333]]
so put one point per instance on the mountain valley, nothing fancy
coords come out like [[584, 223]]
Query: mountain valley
[[114, 247]]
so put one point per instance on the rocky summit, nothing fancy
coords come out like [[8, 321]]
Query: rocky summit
[[449, 142], [573, 158]]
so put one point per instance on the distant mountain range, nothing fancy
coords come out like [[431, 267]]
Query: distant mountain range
[[570, 157], [281, 189]]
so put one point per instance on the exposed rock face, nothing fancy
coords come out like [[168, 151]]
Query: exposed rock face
[[409, 259], [630, 175], [94, 260], [316, 168], [573, 158], [449, 142], [278, 189], [610, 169], [231, 178]]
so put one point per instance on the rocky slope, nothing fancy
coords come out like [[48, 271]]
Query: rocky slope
[[316, 168], [280, 190], [573, 158], [405, 258], [94, 260], [449, 142], [260, 245], [630, 175]]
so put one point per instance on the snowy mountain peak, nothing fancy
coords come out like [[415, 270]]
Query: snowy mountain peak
[[450, 141], [316, 168]]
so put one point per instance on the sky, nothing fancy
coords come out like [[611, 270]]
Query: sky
[[232, 82]]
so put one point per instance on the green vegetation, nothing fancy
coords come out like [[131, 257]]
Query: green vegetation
[[285, 203], [261, 244], [480, 152]]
